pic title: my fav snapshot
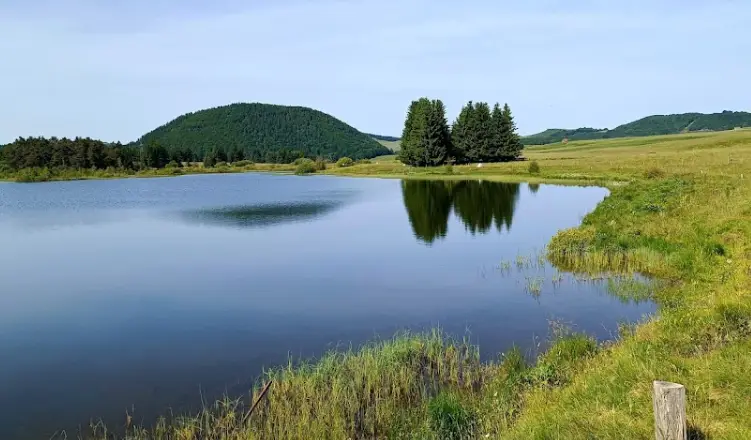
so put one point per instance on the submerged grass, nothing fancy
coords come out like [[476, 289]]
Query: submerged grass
[[678, 212]]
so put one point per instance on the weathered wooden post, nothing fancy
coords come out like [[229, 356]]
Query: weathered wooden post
[[669, 401]]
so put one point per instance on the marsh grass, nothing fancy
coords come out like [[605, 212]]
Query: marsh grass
[[344, 394], [533, 286], [423, 385], [306, 166]]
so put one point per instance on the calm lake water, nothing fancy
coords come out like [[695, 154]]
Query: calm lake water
[[148, 293]]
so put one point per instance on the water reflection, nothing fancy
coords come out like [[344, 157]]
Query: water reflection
[[479, 204], [261, 215]]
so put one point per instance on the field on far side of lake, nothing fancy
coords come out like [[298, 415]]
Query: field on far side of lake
[[391, 145]]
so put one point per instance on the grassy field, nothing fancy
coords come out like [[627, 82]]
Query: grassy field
[[679, 210], [391, 145]]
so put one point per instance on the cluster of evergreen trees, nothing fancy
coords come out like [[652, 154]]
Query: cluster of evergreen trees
[[477, 135], [87, 153], [81, 153], [236, 154]]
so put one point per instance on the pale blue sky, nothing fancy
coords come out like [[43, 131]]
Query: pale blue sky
[[116, 69]]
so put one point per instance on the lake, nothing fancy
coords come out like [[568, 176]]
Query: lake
[[147, 294]]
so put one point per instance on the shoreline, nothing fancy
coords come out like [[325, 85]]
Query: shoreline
[[420, 174]]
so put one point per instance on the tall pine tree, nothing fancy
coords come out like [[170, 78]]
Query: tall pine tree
[[417, 138], [512, 145], [496, 150], [436, 139], [478, 132], [412, 133], [460, 137]]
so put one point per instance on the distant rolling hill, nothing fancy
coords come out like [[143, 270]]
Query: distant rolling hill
[[649, 126], [393, 143], [262, 129]]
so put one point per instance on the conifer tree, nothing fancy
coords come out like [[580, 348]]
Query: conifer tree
[[210, 159], [497, 148], [406, 147], [435, 143], [411, 152], [155, 155], [460, 138], [478, 132], [512, 145], [221, 155]]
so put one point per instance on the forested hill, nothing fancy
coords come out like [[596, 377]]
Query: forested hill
[[263, 132], [649, 126]]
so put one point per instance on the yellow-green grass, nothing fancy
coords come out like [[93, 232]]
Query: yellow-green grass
[[391, 145], [679, 211], [53, 174]]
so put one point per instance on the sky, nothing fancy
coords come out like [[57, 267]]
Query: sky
[[116, 69]]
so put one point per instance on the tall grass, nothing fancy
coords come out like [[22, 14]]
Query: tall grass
[[412, 386]]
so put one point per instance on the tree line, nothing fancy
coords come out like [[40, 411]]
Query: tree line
[[81, 153], [478, 134], [87, 153]]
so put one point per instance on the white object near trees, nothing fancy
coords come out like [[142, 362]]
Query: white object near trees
[[669, 401]]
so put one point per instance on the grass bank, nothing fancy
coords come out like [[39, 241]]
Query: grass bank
[[62, 174], [679, 210]]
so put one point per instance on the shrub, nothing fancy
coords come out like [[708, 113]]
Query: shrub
[[299, 161], [33, 175], [306, 167], [221, 164], [449, 419], [556, 366], [534, 167], [654, 173], [320, 164], [243, 163], [210, 160], [344, 162], [173, 164], [448, 169]]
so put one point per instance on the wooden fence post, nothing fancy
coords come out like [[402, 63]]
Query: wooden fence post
[[669, 401]]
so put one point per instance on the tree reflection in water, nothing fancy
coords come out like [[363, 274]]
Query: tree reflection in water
[[479, 204]]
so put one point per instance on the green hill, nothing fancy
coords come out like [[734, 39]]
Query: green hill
[[264, 132], [393, 143], [649, 126], [394, 146]]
